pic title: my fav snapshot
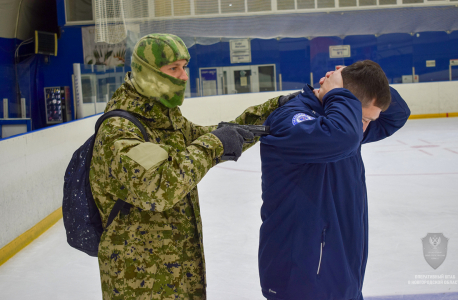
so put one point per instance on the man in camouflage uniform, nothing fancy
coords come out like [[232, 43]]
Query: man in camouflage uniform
[[156, 250]]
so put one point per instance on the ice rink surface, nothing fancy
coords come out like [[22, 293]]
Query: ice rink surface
[[412, 180]]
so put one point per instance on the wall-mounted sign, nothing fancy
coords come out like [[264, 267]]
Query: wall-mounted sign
[[238, 45], [240, 58], [410, 78], [430, 63], [240, 51], [339, 51], [454, 62]]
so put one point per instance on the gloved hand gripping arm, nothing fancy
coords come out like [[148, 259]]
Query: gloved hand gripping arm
[[232, 139]]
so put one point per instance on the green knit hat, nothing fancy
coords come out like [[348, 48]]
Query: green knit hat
[[150, 54]]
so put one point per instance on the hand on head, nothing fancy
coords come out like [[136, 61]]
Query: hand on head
[[332, 80]]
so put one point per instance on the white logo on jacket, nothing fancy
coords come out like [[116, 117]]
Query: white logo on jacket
[[301, 117]]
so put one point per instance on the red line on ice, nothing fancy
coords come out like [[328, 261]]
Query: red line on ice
[[451, 150], [426, 152]]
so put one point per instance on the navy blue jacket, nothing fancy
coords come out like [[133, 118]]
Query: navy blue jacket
[[313, 239]]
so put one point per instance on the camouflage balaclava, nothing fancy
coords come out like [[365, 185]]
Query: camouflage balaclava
[[150, 54]]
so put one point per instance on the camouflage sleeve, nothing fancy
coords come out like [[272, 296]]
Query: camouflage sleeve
[[254, 115], [148, 175], [197, 130], [257, 115]]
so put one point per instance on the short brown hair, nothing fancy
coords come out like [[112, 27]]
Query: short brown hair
[[367, 81]]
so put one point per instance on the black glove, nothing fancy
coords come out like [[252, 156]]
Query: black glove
[[283, 99], [232, 139]]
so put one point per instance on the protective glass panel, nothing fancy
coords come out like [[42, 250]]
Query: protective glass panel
[[266, 79], [225, 82], [325, 3], [209, 82], [387, 2], [181, 8], [285, 4], [411, 1], [367, 2], [78, 10], [139, 9], [162, 8], [88, 85], [203, 7], [305, 4], [346, 3], [242, 81], [232, 6], [259, 5]]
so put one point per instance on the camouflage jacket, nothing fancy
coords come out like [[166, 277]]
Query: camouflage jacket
[[156, 251]]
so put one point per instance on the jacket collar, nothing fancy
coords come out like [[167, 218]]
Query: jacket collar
[[157, 114], [308, 97]]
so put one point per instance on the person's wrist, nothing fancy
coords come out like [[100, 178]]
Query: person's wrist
[[330, 93]]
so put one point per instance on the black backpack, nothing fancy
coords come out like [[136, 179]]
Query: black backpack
[[82, 220]]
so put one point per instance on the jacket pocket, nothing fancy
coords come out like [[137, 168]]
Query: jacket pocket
[[323, 243]]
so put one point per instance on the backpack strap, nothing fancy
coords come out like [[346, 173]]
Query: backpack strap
[[123, 114], [120, 206]]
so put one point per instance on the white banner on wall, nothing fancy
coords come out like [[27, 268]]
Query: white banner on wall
[[102, 53]]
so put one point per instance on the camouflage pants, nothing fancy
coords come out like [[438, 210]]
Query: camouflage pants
[[139, 262]]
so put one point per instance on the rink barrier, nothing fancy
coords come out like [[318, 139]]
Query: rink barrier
[[429, 116], [437, 296], [39, 158], [32, 176], [29, 236]]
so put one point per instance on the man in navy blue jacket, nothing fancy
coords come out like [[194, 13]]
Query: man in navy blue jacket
[[314, 236]]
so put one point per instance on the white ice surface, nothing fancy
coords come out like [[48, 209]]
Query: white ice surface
[[412, 181]]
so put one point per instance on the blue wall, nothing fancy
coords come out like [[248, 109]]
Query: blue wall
[[35, 73], [294, 58], [59, 69], [7, 81]]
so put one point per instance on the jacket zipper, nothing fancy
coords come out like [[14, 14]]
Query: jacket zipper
[[323, 242]]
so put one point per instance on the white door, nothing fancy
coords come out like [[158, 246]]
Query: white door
[[237, 79], [250, 79], [242, 79], [210, 81], [267, 82]]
